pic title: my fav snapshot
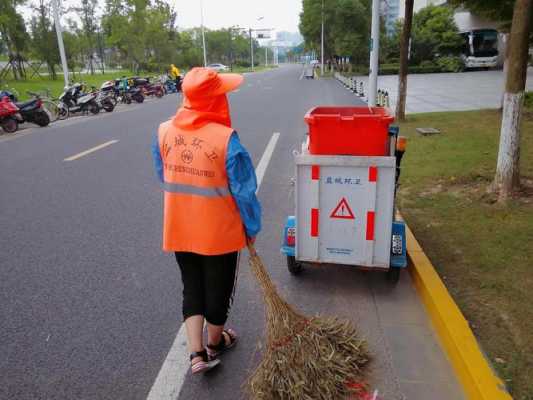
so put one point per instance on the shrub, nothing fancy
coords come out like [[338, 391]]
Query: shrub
[[427, 64], [243, 64], [450, 64], [528, 100]]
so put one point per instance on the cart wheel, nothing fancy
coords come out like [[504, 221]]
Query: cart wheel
[[393, 275], [294, 267]]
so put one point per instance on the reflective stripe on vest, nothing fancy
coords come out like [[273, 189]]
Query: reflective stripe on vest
[[200, 214], [200, 191]]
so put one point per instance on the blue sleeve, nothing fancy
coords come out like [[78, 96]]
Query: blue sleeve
[[156, 155], [243, 185]]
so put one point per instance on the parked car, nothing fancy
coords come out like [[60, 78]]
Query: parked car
[[218, 67]]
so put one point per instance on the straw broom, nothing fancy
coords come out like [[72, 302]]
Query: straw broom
[[305, 358]]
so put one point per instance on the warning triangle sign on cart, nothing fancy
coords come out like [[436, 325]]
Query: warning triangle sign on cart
[[342, 211]]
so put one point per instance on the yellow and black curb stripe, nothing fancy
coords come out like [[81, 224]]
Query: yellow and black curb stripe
[[475, 374]]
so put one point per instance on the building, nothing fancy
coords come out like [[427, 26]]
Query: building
[[390, 12]]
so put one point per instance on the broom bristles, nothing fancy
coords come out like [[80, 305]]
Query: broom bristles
[[305, 358]]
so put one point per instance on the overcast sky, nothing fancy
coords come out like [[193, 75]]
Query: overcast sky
[[281, 15]]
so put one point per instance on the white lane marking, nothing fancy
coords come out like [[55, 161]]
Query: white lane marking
[[91, 150], [167, 385], [76, 119], [171, 376], [265, 159]]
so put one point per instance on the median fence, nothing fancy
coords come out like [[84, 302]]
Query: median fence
[[357, 87]]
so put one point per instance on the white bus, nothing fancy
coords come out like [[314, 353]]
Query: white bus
[[480, 49]]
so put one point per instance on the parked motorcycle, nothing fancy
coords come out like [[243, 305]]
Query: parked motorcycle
[[153, 89], [74, 100], [105, 99], [169, 84], [31, 110], [147, 88], [9, 115], [136, 94]]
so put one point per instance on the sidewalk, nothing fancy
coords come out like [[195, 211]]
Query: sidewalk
[[448, 91]]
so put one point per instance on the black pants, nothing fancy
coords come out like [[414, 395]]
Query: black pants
[[208, 285]]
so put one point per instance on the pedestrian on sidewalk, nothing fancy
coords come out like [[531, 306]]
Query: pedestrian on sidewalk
[[210, 207]]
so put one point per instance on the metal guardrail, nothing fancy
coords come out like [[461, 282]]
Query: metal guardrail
[[357, 88]]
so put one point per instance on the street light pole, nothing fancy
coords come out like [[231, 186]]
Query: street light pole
[[251, 50], [59, 33], [322, 43], [374, 55], [266, 56], [203, 31]]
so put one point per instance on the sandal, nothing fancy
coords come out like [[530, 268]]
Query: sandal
[[205, 365], [213, 350]]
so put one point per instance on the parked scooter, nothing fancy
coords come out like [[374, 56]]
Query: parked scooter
[[31, 110], [73, 100], [169, 85], [105, 99], [145, 87], [9, 115], [136, 94], [148, 88]]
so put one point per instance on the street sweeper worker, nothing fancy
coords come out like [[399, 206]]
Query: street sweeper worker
[[210, 207]]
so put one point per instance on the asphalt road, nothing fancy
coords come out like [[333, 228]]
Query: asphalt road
[[90, 306]]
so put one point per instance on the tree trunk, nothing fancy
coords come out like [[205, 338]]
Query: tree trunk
[[505, 67], [404, 60], [507, 176]]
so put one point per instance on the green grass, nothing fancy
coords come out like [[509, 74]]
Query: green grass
[[483, 250], [56, 86], [257, 68]]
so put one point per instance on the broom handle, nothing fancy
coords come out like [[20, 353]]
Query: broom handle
[[251, 249], [263, 278]]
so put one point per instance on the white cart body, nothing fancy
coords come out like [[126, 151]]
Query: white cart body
[[344, 209]]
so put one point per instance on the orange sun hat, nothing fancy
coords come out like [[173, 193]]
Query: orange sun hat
[[206, 82]]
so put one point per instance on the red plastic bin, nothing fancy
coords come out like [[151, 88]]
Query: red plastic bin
[[356, 131]]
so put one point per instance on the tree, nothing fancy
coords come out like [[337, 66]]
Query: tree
[[434, 34], [13, 33], [404, 60], [507, 177], [44, 42], [346, 27], [499, 10], [89, 25]]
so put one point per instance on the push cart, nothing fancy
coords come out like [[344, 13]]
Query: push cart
[[346, 178]]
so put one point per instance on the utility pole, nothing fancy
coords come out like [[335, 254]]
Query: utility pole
[[203, 31], [374, 55], [266, 56], [322, 43], [251, 50], [60, 44]]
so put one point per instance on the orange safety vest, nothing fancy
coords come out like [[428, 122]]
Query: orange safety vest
[[200, 214]]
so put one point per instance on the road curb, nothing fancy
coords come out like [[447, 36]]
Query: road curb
[[475, 374]]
